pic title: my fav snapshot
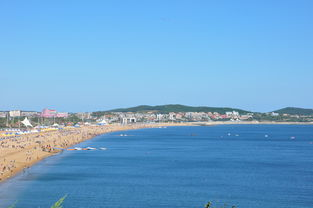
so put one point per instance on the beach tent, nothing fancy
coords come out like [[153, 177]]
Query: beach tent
[[102, 122], [26, 122]]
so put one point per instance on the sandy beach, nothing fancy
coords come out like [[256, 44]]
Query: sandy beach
[[23, 151]]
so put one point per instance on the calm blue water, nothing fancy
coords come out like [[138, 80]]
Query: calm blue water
[[176, 167]]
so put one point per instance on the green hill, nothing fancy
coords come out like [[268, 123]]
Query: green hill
[[176, 108], [295, 111]]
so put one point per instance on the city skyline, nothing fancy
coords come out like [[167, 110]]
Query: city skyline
[[152, 106], [81, 56]]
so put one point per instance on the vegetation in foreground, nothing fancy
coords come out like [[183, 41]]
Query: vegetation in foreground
[[59, 204]]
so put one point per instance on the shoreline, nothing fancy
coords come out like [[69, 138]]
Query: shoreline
[[255, 123], [24, 151]]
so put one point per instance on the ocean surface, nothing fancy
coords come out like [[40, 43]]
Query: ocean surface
[[250, 166]]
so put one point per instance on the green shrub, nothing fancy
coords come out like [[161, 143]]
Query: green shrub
[[57, 204]]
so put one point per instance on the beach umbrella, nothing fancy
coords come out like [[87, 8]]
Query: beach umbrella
[[26, 122]]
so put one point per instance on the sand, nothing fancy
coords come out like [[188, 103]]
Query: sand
[[23, 151]]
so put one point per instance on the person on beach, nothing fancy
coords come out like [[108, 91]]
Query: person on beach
[[22, 151]]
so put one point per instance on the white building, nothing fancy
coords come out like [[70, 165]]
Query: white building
[[129, 120], [274, 114], [15, 113], [30, 113], [232, 114], [172, 116], [3, 114], [160, 117]]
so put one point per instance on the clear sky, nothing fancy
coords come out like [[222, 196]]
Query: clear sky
[[98, 55]]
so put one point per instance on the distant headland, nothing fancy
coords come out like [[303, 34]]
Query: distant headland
[[147, 114]]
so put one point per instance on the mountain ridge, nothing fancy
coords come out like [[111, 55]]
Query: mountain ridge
[[295, 111], [177, 108], [185, 108]]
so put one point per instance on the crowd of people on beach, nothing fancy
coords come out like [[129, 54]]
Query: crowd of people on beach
[[18, 153], [6, 166]]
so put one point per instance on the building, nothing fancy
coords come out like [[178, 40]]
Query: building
[[30, 113], [128, 120], [274, 114], [172, 116], [83, 115], [47, 113], [3, 114], [232, 114], [160, 117], [15, 113], [62, 115]]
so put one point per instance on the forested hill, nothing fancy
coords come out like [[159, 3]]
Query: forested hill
[[295, 111], [177, 108]]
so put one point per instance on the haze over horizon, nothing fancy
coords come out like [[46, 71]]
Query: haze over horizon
[[88, 56]]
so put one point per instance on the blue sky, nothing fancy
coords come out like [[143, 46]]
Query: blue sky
[[98, 55]]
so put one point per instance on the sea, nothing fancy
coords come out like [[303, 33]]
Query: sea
[[247, 166]]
